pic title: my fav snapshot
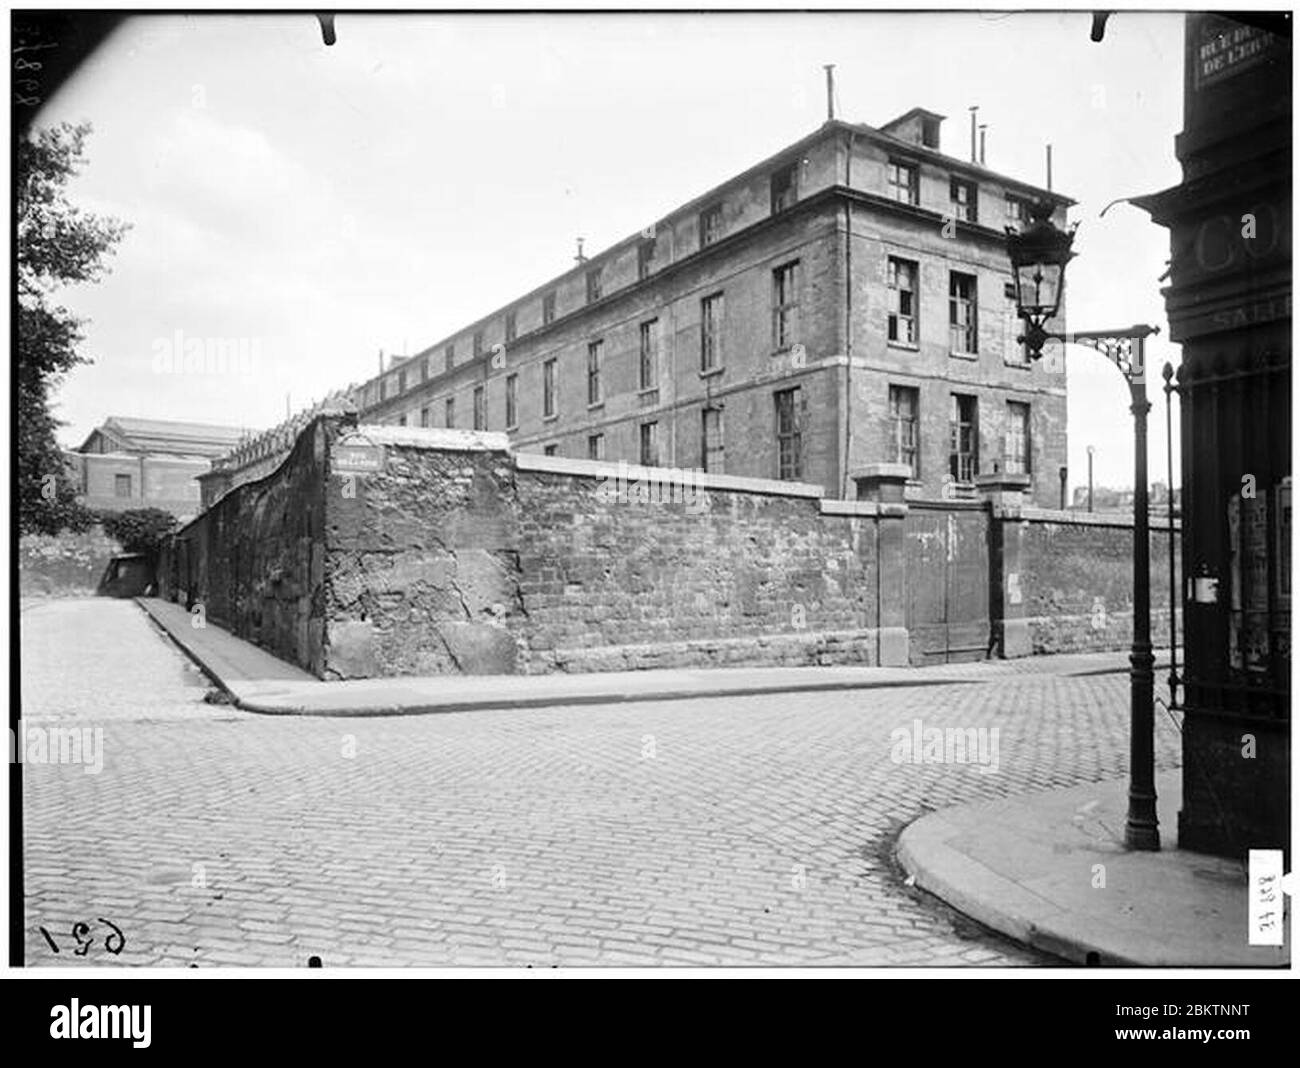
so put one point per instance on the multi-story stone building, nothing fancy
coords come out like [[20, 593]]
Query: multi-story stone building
[[843, 303]]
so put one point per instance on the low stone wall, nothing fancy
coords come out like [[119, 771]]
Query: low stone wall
[[254, 563], [626, 567], [388, 551], [461, 557], [1077, 574], [63, 565]]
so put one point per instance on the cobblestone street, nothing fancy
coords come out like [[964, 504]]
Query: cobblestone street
[[732, 831]]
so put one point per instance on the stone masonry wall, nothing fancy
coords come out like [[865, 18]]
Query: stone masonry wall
[[459, 557], [443, 552], [623, 576], [1077, 577], [254, 563], [63, 565]]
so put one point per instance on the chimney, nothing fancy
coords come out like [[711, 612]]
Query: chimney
[[974, 121], [580, 257], [1049, 166], [983, 126], [830, 91]]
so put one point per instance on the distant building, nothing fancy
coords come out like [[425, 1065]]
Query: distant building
[[1106, 499], [147, 463], [846, 302]]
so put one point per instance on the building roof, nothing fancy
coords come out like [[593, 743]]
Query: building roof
[[126, 434], [830, 127]]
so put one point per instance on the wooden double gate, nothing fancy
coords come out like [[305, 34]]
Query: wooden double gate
[[947, 581]]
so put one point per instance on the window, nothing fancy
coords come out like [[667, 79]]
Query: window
[[450, 357], [785, 188], [548, 308], [401, 419], [648, 376], [121, 485], [904, 411], [512, 326], [595, 356], [594, 289], [963, 326], [711, 332], [645, 254], [424, 370], [965, 200], [649, 453], [512, 401], [449, 411], [789, 458], [383, 389], [401, 382], [424, 417], [710, 225], [903, 182], [480, 408], [551, 450], [1017, 455], [902, 301], [711, 431], [548, 389], [595, 446], [478, 343], [785, 305], [963, 459], [1016, 212]]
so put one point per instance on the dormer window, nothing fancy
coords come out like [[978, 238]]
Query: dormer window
[[710, 225], [785, 188]]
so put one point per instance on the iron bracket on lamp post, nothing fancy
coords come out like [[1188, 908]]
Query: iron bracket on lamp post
[[1126, 349]]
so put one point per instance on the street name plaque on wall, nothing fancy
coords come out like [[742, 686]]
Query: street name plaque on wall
[[1229, 48], [356, 457]]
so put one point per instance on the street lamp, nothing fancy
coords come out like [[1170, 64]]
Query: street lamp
[[1039, 255]]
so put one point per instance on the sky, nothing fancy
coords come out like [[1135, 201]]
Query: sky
[[318, 204]]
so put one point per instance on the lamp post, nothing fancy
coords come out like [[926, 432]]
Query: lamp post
[[1039, 255]]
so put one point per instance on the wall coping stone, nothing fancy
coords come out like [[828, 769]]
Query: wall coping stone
[[829, 506], [565, 465], [902, 472], [432, 437], [1158, 522]]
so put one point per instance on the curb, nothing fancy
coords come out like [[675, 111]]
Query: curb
[[262, 706], [940, 874], [611, 697]]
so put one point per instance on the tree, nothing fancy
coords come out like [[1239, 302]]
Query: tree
[[57, 244], [140, 530]]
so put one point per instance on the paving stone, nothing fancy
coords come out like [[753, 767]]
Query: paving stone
[[390, 857]]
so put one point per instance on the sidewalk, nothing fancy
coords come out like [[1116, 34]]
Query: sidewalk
[[260, 682], [1026, 867]]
